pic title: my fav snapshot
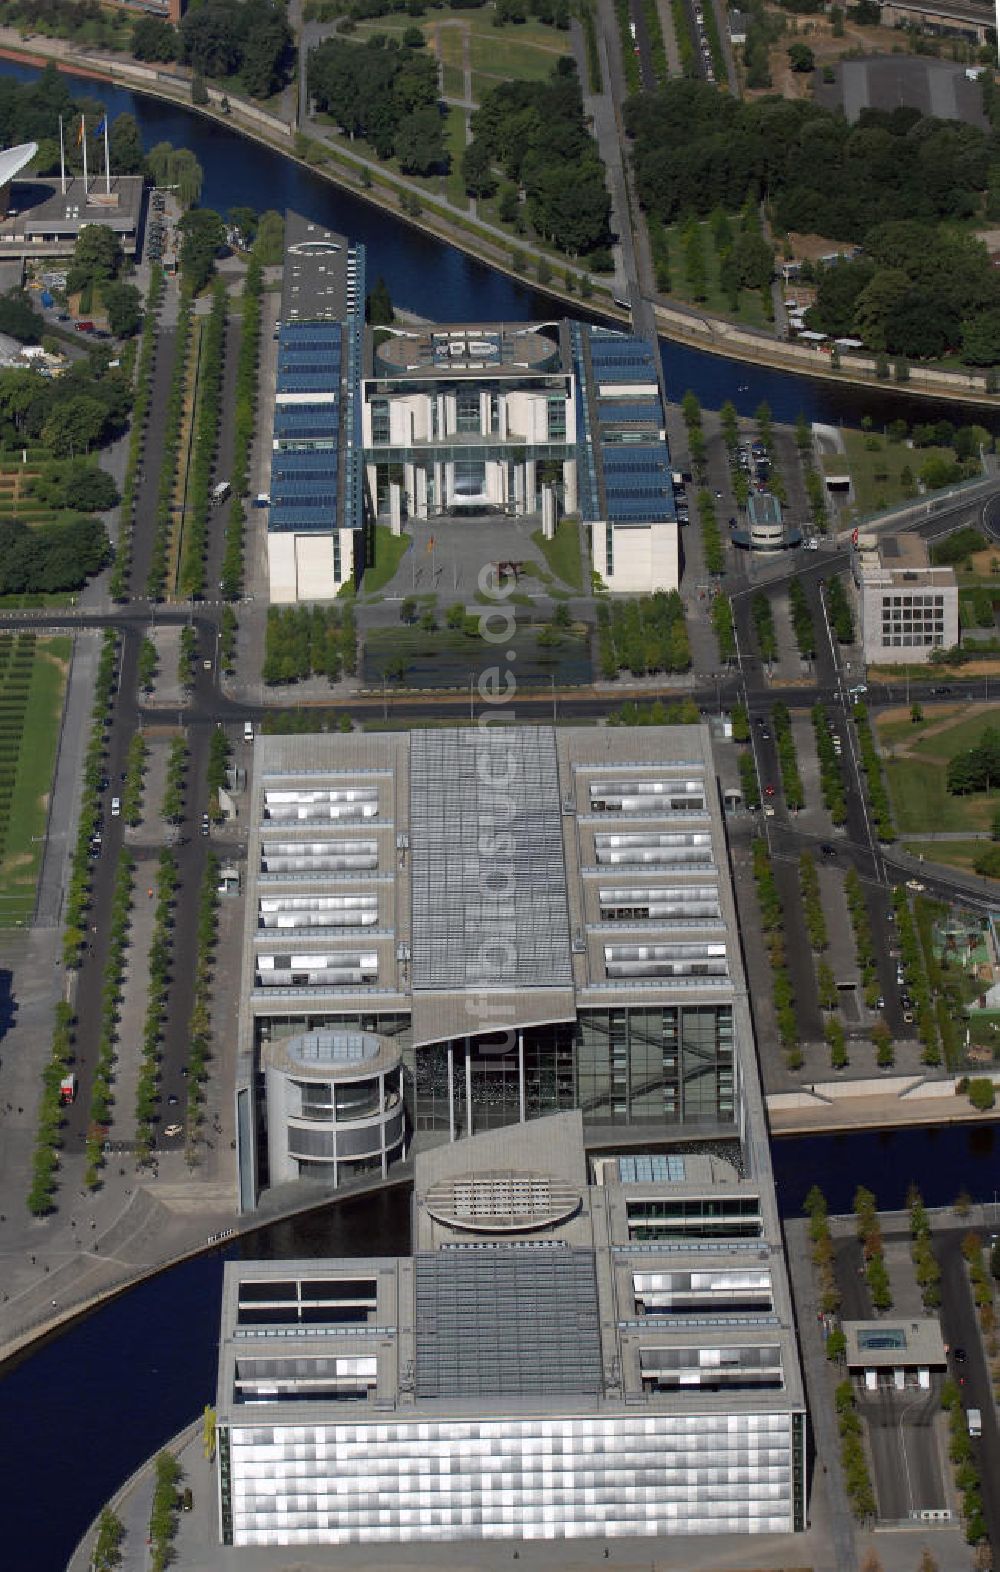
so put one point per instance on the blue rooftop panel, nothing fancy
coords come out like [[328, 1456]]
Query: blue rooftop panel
[[629, 412]]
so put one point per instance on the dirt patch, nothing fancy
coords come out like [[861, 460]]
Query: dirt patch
[[11, 864], [61, 663], [817, 32], [982, 562], [973, 668]]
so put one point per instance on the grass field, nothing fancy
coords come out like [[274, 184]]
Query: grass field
[[750, 308], [963, 733], [562, 553], [953, 854], [877, 474], [390, 550], [32, 685], [916, 763], [525, 51]]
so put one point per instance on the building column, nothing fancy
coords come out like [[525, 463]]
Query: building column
[[468, 1086], [451, 1090], [381, 1140], [520, 1072]]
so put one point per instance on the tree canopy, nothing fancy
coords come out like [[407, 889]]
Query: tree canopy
[[19, 318], [896, 185], [536, 134], [251, 38], [385, 93], [31, 407], [202, 235], [153, 39], [976, 768], [50, 557]]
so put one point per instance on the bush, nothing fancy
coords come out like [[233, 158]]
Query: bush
[[982, 1094]]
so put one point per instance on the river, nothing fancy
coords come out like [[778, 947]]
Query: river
[[435, 280], [85, 1408]]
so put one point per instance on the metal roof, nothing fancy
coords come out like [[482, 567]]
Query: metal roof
[[507, 1322], [14, 159], [487, 870]]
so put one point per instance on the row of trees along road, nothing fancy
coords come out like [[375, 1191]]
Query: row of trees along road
[[895, 184]]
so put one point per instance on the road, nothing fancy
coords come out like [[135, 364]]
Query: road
[[901, 1435], [961, 1330]]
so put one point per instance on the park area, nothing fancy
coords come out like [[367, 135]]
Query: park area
[[919, 755], [883, 473], [32, 684]]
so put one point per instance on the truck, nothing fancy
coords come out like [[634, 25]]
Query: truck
[[221, 491], [67, 1090], [975, 1420]]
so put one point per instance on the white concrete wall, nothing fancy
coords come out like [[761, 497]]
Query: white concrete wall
[[281, 571], [644, 557]]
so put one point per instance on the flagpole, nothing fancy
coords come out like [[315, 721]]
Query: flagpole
[[107, 156], [62, 157], [83, 131]]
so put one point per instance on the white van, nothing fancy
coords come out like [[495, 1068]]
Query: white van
[[248, 731], [975, 1420]]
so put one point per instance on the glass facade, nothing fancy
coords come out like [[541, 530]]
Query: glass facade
[[664, 1065], [512, 1478]]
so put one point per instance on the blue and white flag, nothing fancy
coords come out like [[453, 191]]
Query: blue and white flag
[[101, 126]]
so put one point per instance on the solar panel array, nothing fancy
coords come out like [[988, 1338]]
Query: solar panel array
[[507, 1322], [481, 918], [305, 480], [623, 433]]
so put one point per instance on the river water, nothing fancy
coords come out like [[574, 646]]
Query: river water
[[84, 1409], [435, 280]]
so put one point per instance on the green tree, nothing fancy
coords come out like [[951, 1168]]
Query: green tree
[[123, 303], [97, 257], [202, 236], [801, 57], [125, 146], [153, 39]]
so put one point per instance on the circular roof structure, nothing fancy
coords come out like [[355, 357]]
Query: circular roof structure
[[502, 1202], [14, 159]]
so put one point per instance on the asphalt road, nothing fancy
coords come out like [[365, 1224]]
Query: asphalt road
[[904, 1450], [961, 1330]]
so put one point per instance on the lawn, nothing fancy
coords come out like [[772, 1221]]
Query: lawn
[[964, 733], [32, 684], [455, 143], [918, 778], [526, 51], [953, 854], [877, 473], [670, 247], [390, 550], [562, 553]]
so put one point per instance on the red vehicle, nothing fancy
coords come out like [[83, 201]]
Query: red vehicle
[[85, 327], [67, 1090]]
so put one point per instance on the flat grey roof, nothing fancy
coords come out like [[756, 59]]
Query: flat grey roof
[[894, 1342], [315, 283], [41, 206], [487, 873], [507, 1322]]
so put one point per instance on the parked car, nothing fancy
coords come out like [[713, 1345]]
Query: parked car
[[915, 884], [116, 807]]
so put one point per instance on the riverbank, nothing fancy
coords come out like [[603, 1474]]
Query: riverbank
[[894, 1102], [678, 324]]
